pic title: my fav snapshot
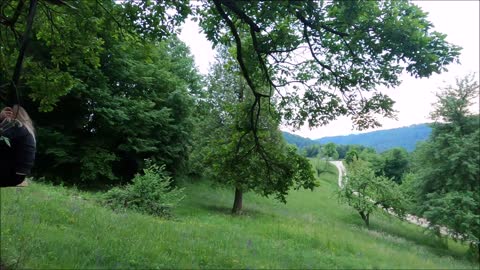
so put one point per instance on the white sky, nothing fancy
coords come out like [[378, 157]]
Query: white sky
[[460, 20]]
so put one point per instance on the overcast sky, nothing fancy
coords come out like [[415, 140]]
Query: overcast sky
[[460, 20]]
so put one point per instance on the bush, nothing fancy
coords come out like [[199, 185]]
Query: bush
[[150, 193]]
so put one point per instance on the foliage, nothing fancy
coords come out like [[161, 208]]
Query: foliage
[[373, 159], [396, 162], [329, 151], [350, 46], [446, 167], [351, 156], [366, 192], [311, 151], [235, 155], [98, 75], [150, 193], [342, 151], [409, 189], [104, 97]]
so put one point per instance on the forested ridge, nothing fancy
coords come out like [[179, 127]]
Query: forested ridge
[[126, 128], [382, 140]]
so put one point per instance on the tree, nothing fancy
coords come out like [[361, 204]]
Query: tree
[[329, 151], [312, 150], [349, 47], [342, 150], [373, 159], [236, 157], [366, 192], [395, 163], [446, 166], [352, 155]]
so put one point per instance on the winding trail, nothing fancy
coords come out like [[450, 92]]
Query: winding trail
[[341, 171], [410, 218]]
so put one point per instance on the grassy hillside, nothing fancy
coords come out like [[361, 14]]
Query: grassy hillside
[[54, 227]]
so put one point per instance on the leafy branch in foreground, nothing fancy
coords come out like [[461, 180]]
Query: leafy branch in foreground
[[324, 59]]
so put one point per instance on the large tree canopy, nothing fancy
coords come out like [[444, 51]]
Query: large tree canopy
[[321, 57]]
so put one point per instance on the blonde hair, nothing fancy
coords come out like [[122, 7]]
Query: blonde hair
[[21, 115]]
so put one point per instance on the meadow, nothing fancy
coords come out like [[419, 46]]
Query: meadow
[[52, 227]]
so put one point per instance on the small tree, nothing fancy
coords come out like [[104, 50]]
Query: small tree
[[329, 152], [319, 166], [351, 155], [366, 192]]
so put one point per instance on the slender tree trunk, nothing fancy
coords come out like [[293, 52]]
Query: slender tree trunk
[[237, 203], [365, 217]]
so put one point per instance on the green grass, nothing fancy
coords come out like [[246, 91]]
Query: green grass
[[54, 227]]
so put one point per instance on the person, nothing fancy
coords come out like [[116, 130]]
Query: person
[[17, 146]]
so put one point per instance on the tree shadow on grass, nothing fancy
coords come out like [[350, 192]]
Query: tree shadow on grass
[[224, 210]]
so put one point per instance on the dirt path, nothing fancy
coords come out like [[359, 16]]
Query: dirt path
[[410, 218], [341, 171]]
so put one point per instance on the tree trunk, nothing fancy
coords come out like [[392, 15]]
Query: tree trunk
[[237, 203], [365, 217]]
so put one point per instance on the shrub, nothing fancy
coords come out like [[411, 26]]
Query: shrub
[[151, 193]]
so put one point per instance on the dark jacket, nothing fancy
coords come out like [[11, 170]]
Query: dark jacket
[[18, 157]]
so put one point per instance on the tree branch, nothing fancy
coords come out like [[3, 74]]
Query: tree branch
[[320, 24], [12, 21], [238, 43], [233, 7]]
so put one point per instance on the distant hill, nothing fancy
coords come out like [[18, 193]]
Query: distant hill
[[299, 141], [382, 140]]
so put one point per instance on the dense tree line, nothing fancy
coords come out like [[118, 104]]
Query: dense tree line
[[103, 97]]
